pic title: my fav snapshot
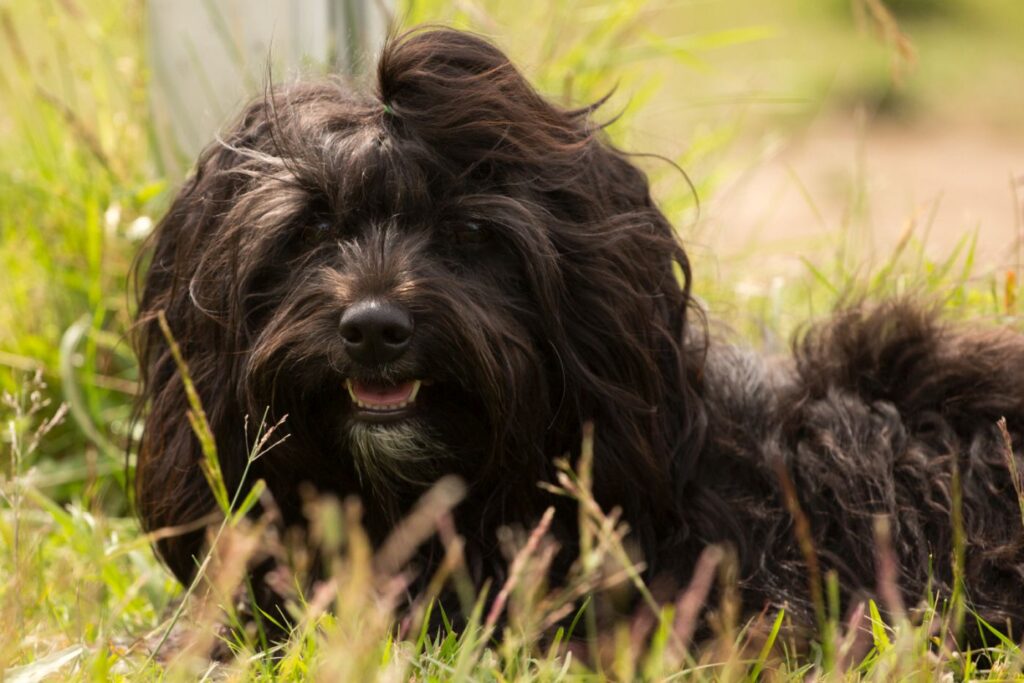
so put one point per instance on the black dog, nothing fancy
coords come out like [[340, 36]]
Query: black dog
[[453, 275]]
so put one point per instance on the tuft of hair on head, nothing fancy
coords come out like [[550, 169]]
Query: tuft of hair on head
[[458, 91]]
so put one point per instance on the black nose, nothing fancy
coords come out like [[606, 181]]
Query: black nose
[[375, 331]]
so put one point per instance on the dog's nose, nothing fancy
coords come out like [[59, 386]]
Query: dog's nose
[[376, 331]]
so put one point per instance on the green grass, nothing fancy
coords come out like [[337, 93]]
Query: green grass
[[82, 595]]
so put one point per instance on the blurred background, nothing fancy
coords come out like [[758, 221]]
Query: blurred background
[[832, 148]]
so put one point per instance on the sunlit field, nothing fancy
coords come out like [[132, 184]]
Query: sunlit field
[[810, 152]]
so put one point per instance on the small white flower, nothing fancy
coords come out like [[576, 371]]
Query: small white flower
[[112, 218], [746, 289], [140, 228]]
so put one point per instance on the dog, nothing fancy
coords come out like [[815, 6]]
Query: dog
[[453, 276]]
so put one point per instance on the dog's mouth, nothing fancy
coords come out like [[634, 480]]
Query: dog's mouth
[[380, 402]]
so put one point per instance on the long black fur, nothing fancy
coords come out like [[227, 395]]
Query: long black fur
[[547, 291]]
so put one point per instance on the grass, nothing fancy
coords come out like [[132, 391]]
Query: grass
[[83, 597]]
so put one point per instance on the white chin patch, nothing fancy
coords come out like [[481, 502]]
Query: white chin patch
[[396, 452]]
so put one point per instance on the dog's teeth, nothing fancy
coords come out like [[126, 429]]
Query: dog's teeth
[[384, 407]]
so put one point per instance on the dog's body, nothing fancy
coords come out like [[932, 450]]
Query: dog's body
[[454, 276], [879, 414]]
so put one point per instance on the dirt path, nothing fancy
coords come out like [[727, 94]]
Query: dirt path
[[798, 199]]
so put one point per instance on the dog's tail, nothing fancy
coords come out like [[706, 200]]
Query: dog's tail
[[903, 353]]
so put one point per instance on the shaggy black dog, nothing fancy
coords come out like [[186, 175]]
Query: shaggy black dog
[[452, 275]]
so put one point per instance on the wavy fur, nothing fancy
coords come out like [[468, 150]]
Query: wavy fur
[[573, 305]]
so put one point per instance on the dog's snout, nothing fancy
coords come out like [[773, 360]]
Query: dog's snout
[[376, 331]]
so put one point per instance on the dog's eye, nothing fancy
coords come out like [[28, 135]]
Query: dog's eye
[[316, 229], [469, 232]]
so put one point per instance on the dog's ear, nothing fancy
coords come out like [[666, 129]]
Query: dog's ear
[[169, 489], [622, 335]]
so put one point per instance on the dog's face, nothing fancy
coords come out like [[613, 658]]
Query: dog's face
[[388, 296], [449, 275]]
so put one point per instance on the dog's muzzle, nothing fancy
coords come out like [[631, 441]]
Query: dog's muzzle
[[377, 332]]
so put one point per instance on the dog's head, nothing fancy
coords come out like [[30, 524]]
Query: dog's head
[[450, 274]]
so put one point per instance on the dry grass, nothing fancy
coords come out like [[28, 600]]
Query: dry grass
[[82, 597]]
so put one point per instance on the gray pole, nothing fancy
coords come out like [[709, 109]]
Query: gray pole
[[209, 56]]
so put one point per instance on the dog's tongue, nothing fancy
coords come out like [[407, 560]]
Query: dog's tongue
[[381, 395]]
